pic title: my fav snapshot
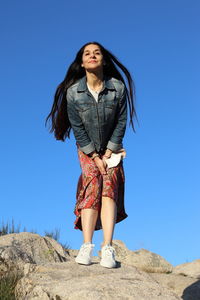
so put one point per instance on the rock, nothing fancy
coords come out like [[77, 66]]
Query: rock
[[191, 269], [50, 273], [72, 252], [70, 281], [186, 287], [18, 249], [142, 259]]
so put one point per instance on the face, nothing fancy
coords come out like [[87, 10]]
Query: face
[[92, 58]]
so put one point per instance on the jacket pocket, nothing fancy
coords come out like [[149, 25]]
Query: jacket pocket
[[83, 106], [85, 114], [109, 105]]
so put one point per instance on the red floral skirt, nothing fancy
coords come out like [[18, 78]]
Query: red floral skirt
[[92, 186]]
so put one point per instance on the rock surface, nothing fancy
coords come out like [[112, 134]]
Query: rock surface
[[19, 248], [186, 287], [191, 269], [50, 273], [142, 259], [70, 281]]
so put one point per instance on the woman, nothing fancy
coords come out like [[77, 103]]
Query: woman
[[92, 100]]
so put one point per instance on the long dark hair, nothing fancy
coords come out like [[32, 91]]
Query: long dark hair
[[60, 124]]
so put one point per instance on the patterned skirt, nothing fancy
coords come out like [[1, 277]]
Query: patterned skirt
[[92, 186]]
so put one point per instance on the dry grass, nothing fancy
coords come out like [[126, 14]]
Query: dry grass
[[8, 281], [11, 227]]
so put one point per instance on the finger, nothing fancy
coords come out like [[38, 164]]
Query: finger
[[103, 171], [100, 165], [105, 164]]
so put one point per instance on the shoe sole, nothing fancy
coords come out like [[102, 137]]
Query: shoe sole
[[82, 262], [108, 266]]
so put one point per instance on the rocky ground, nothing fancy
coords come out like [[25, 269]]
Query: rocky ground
[[50, 272]]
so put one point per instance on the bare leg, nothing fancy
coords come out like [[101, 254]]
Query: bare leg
[[108, 219], [88, 221]]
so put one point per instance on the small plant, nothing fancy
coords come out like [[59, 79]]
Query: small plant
[[8, 283], [56, 236], [65, 246], [53, 234], [9, 279], [9, 228]]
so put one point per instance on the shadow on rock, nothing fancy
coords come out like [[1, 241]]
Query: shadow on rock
[[118, 264], [192, 292]]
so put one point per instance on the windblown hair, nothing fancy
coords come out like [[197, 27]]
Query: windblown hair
[[58, 116]]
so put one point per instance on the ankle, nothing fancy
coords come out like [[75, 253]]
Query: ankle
[[87, 242], [106, 243]]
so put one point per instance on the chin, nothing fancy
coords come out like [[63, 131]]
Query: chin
[[95, 68]]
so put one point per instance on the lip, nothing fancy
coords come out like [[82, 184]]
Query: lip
[[92, 61]]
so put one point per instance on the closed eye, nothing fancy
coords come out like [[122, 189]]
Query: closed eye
[[95, 52]]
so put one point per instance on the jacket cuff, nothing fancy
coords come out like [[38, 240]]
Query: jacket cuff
[[87, 149], [114, 147]]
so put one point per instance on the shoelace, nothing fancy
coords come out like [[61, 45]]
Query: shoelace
[[110, 251], [85, 248]]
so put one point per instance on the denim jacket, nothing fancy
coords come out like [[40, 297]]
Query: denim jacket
[[98, 125]]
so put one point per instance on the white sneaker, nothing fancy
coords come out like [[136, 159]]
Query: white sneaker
[[108, 257], [85, 254]]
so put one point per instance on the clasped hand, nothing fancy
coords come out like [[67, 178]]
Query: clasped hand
[[101, 165], [101, 162]]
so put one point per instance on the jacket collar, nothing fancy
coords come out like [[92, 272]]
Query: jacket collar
[[107, 83]]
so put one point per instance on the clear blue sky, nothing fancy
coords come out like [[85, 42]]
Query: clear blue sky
[[159, 43]]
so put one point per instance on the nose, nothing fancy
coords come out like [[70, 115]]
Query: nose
[[92, 55]]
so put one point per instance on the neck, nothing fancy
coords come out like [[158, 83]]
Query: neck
[[94, 79]]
